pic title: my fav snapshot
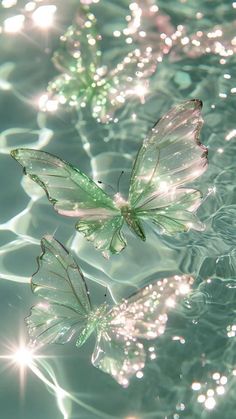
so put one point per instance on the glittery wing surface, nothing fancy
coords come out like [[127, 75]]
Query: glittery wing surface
[[144, 315], [65, 305], [74, 194], [77, 58], [169, 158], [131, 78], [78, 49], [117, 356]]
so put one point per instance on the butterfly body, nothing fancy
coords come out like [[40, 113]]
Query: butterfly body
[[97, 321]]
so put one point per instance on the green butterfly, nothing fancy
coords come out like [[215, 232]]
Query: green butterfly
[[169, 157], [65, 312], [86, 80]]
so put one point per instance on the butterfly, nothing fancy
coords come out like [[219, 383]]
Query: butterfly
[[85, 80], [65, 313], [169, 157]]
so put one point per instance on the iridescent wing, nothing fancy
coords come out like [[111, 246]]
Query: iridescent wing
[[131, 78], [74, 194], [78, 58], [65, 305], [143, 316], [118, 357], [169, 158], [86, 81], [78, 52]]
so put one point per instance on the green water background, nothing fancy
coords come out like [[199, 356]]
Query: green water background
[[204, 346]]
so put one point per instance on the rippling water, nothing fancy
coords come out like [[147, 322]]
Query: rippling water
[[194, 373]]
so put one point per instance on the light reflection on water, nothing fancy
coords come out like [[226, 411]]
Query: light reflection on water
[[195, 374]]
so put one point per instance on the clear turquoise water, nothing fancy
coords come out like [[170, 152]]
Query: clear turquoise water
[[205, 349]]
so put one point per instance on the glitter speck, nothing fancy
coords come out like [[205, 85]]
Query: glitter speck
[[210, 403]]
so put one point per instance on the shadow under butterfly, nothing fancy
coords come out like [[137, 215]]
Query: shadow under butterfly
[[170, 157], [65, 312]]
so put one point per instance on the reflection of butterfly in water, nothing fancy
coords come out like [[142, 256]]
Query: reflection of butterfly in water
[[65, 312], [85, 80], [169, 157]]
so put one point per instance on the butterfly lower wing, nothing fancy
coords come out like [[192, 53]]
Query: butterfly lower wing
[[78, 53], [172, 212], [144, 315], [105, 234], [171, 156], [65, 305], [117, 356]]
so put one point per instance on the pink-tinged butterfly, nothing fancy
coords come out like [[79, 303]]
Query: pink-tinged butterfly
[[65, 313], [169, 158]]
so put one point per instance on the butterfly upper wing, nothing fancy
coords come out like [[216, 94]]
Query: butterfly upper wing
[[78, 53], [74, 194], [143, 316], [78, 58], [145, 313], [169, 158], [65, 305], [131, 78]]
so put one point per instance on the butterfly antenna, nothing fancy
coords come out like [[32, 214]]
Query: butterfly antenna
[[118, 182], [211, 191], [106, 184], [105, 295], [54, 232]]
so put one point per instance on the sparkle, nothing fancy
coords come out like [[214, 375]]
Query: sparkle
[[210, 392], [139, 374], [117, 34], [43, 16], [23, 356], [210, 403], [220, 390], [196, 386], [230, 135], [201, 398], [223, 380], [8, 3], [14, 24], [30, 6]]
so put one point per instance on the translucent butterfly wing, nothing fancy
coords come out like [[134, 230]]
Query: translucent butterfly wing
[[168, 159], [78, 50], [65, 304], [104, 233], [144, 315], [171, 155], [70, 191], [131, 77], [74, 194], [118, 350], [118, 357], [78, 58]]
